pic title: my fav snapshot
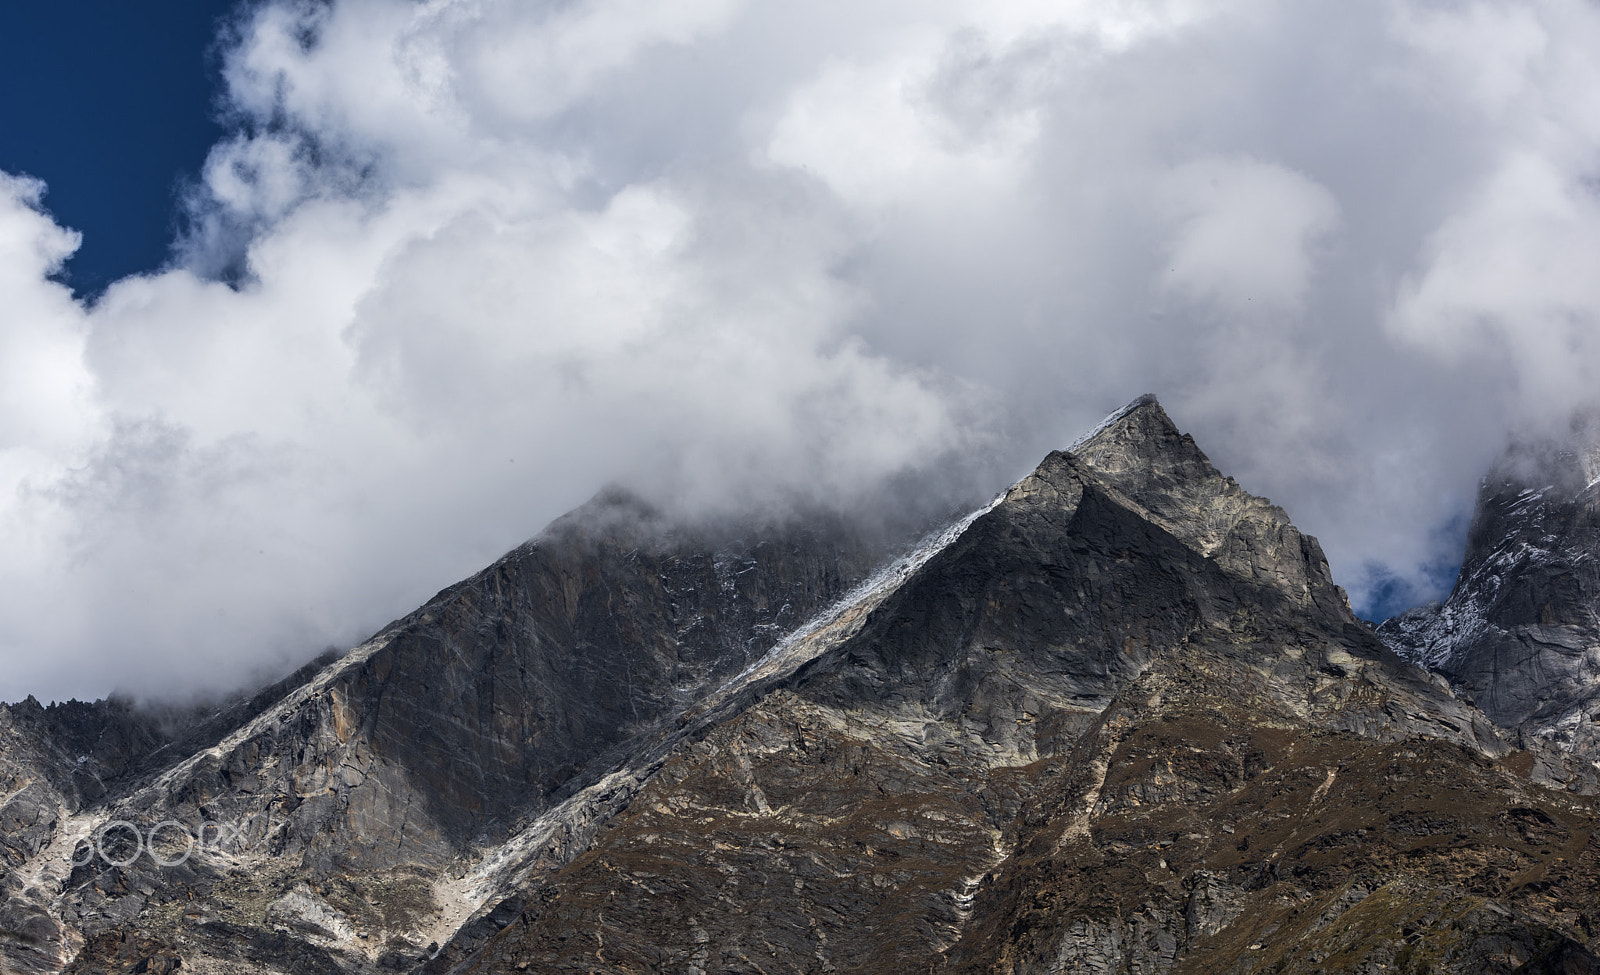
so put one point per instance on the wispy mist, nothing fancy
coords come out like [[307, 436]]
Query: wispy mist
[[462, 263]]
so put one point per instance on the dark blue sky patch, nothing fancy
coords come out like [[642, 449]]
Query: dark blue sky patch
[[112, 104], [1392, 595]]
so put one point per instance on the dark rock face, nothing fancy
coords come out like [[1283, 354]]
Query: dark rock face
[[1073, 742], [60, 760], [504, 693], [1520, 632], [437, 739], [1119, 720]]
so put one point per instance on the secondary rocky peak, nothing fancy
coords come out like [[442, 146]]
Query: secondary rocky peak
[[1563, 465], [1520, 630]]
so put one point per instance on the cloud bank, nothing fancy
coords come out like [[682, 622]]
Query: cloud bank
[[461, 262]]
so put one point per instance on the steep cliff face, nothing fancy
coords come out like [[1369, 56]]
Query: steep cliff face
[[63, 760], [408, 758], [1118, 720], [1077, 740], [1520, 632]]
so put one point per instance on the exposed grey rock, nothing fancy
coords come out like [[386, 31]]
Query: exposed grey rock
[[458, 728], [1025, 729], [1519, 634], [1120, 719], [301, 908]]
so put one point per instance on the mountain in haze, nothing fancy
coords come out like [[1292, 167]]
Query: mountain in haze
[[1120, 719], [1520, 632]]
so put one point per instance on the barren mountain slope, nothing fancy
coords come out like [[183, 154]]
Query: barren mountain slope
[[1118, 720], [387, 777], [1520, 632], [1124, 722]]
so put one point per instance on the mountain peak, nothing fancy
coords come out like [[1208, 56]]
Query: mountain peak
[[1141, 445], [1567, 465], [1116, 719], [1142, 404], [1160, 472]]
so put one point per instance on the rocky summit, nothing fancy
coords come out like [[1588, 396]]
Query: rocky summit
[[1119, 720]]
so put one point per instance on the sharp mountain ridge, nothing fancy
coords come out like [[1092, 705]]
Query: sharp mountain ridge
[[1120, 719], [1519, 633]]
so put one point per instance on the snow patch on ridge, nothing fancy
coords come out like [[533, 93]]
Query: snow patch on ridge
[[1148, 399]]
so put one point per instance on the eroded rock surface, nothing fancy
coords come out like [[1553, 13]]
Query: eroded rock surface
[[59, 762], [443, 736], [1119, 720], [1520, 632], [1079, 741]]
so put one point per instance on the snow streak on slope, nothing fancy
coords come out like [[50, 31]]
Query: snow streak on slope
[[1110, 419], [841, 620], [563, 832], [838, 622]]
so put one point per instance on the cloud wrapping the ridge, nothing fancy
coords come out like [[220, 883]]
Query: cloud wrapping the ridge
[[486, 256]]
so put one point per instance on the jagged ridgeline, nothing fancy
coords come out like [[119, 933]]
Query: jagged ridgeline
[[1118, 720], [1520, 633]]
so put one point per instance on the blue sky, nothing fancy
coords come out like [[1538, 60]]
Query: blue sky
[[111, 103]]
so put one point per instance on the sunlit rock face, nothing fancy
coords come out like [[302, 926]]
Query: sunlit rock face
[[1119, 719], [1520, 632]]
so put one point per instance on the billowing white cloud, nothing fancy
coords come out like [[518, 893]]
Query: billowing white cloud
[[876, 136], [1244, 234], [1512, 276], [461, 262], [45, 389]]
